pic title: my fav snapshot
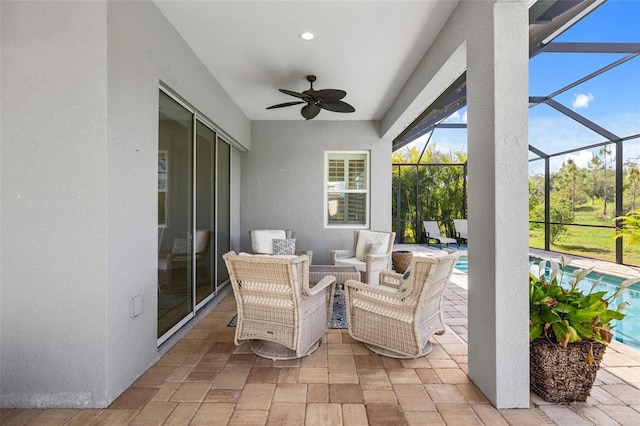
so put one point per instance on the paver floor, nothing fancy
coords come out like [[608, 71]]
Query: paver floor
[[206, 380]]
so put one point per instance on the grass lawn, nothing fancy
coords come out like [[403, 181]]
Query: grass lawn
[[589, 241]]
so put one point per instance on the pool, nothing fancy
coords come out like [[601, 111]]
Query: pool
[[462, 264], [626, 331]]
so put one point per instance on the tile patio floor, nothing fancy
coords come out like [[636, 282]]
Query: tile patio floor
[[206, 380]]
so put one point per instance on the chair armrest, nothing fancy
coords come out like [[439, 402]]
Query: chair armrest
[[325, 282], [308, 253], [390, 279], [377, 258], [341, 254], [381, 291]]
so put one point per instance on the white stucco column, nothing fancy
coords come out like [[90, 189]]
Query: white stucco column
[[497, 94]]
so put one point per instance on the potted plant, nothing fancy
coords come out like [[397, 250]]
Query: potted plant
[[568, 332]]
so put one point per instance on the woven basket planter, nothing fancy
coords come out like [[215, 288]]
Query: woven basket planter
[[564, 374], [401, 260]]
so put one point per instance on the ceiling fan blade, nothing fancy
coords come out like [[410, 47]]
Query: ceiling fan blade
[[310, 110], [286, 104], [329, 95], [296, 94], [337, 106]]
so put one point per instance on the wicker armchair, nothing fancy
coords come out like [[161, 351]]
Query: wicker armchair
[[278, 311], [397, 318], [370, 254]]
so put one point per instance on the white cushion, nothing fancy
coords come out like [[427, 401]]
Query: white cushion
[[262, 239], [271, 256], [370, 237], [163, 265], [352, 261], [430, 253], [376, 249], [202, 238]]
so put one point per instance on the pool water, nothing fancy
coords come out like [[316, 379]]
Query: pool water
[[626, 331], [462, 264]]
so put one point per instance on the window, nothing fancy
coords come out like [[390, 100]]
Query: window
[[347, 189]]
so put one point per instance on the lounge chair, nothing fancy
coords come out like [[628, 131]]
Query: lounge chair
[[432, 232], [461, 229]]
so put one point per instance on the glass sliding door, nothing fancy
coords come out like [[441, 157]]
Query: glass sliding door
[[223, 207], [193, 213], [175, 214], [204, 213]]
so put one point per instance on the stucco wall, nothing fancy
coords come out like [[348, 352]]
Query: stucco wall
[[79, 180], [54, 104], [143, 50], [283, 181]]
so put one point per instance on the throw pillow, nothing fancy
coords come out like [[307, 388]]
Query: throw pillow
[[405, 282], [284, 246], [181, 245]]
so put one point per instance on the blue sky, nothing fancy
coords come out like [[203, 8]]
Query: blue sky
[[611, 100]]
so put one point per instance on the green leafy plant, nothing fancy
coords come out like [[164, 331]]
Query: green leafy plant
[[630, 227], [565, 315]]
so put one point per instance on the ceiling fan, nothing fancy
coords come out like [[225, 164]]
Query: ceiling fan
[[316, 100]]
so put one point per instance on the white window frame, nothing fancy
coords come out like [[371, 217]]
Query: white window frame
[[367, 190]]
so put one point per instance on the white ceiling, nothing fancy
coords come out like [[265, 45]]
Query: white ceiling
[[367, 48]]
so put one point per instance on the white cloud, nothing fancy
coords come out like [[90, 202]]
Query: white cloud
[[580, 158], [582, 101], [453, 118], [456, 117], [553, 134]]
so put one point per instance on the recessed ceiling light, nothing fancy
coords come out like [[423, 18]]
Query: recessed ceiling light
[[306, 36]]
